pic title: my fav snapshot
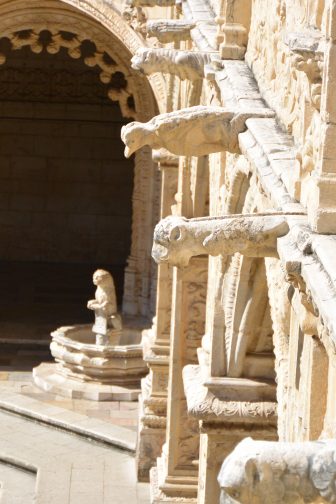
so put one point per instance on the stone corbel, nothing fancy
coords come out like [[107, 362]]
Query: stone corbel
[[279, 472], [228, 400], [193, 131], [307, 50], [169, 30], [184, 64], [177, 239]]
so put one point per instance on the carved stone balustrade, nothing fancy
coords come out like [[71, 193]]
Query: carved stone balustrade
[[193, 131], [279, 473]]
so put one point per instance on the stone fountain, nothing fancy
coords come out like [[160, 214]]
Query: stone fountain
[[102, 362]]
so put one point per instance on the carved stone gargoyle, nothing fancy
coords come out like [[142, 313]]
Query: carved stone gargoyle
[[177, 239], [169, 30], [267, 472], [193, 131], [151, 3], [185, 64]]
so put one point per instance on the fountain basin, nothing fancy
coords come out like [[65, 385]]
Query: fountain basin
[[89, 371]]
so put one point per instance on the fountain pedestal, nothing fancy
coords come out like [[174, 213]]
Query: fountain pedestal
[[103, 362], [85, 370]]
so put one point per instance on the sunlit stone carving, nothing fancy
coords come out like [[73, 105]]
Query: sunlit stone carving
[[107, 321], [177, 239], [169, 30], [185, 64], [193, 131], [100, 362], [265, 472]]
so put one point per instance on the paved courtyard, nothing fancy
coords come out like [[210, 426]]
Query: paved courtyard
[[55, 450], [43, 465]]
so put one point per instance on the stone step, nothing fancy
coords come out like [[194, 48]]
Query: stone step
[[82, 425]]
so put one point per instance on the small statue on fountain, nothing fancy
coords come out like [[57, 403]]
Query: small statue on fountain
[[108, 325]]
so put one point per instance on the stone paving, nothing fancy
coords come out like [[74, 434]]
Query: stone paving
[[53, 466], [69, 469]]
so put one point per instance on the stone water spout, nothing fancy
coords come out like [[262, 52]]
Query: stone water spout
[[177, 239], [185, 64], [267, 472], [193, 131], [169, 30]]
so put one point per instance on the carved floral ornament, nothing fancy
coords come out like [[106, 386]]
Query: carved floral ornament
[[77, 47]]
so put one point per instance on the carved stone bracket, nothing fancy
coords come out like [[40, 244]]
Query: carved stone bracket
[[206, 405]]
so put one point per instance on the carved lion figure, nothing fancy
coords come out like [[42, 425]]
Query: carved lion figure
[[177, 239], [193, 131], [105, 296], [265, 472]]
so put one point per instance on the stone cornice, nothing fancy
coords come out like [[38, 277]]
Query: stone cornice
[[205, 405]]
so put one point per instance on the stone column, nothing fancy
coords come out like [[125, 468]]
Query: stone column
[[176, 474], [137, 279], [153, 401]]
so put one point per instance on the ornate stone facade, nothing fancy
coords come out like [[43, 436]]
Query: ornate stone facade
[[234, 112]]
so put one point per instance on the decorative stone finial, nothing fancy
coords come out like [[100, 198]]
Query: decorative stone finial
[[266, 472], [185, 64], [193, 131], [177, 239], [107, 320]]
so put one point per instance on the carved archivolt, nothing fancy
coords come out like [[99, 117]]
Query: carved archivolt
[[52, 41], [96, 21]]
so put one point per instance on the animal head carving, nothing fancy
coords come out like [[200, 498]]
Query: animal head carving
[[260, 472], [172, 241], [145, 60], [135, 135]]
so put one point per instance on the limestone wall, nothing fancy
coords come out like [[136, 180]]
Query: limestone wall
[[65, 186]]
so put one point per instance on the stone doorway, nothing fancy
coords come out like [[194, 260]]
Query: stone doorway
[[65, 188]]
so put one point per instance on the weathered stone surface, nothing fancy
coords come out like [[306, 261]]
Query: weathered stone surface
[[258, 472], [177, 239], [194, 131]]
